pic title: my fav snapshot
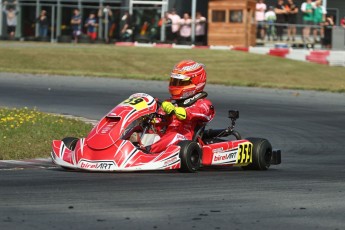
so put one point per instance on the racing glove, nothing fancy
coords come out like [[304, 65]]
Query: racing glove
[[168, 107], [180, 113]]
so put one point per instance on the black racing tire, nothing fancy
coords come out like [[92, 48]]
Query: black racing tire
[[262, 154], [70, 142], [190, 155]]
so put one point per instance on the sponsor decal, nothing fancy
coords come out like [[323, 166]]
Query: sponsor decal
[[108, 127], [187, 101], [218, 150], [187, 94], [224, 157], [97, 165], [171, 161], [191, 67]]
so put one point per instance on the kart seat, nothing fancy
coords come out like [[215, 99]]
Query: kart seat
[[149, 139]]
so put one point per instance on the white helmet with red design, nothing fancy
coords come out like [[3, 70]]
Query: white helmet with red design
[[187, 78]]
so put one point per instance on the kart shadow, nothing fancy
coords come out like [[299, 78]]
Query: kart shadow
[[208, 169]]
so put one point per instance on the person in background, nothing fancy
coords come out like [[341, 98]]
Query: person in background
[[270, 18], [43, 24], [185, 28], [260, 19], [200, 28], [281, 18], [308, 20], [76, 25], [11, 12], [292, 11], [175, 25], [328, 28], [91, 26], [342, 22], [166, 21], [319, 18], [125, 30], [106, 17]]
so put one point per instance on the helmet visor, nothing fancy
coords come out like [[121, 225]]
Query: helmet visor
[[179, 80]]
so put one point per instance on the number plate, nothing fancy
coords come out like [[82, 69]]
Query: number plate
[[136, 102], [245, 152]]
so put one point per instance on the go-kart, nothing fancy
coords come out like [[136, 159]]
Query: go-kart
[[113, 144]]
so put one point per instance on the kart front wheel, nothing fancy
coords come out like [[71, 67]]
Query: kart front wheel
[[190, 155], [262, 154], [70, 142]]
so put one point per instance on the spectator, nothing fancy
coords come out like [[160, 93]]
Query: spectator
[[91, 26], [328, 27], [125, 30], [270, 18], [200, 28], [342, 22], [185, 28], [260, 18], [11, 17], [236, 16], [292, 11], [319, 18], [43, 24], [307, 9], [281, 18], [175, 25], [167, 23], [76, 25], [144, 30], [106, 17]]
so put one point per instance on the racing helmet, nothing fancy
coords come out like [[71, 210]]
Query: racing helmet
[[187, 78]]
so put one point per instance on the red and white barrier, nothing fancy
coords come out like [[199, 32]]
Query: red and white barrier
[[325, 57]]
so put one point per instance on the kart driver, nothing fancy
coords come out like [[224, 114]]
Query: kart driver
[[187, 108]]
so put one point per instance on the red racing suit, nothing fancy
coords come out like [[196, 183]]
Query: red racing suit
[[199, 110]]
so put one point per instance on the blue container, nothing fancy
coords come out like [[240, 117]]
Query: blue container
[[281, 46]]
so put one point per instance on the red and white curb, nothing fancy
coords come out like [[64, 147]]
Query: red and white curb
[[326, 57], [23, 164]]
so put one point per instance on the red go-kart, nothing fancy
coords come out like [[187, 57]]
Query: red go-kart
[[110, 145]]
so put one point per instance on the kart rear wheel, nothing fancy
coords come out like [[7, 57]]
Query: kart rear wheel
[[70, 142], [262, 154], [190, 155]]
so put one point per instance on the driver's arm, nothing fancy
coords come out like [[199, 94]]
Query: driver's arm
[[202, 110]]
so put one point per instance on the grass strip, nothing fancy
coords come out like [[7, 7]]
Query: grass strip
[[27, 133], [223, 67]]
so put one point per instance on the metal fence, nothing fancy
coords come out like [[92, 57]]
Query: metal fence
[[145, 24], [300, 35], [60, 13]]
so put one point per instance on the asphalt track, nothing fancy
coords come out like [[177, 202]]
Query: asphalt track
[[306, 192]]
